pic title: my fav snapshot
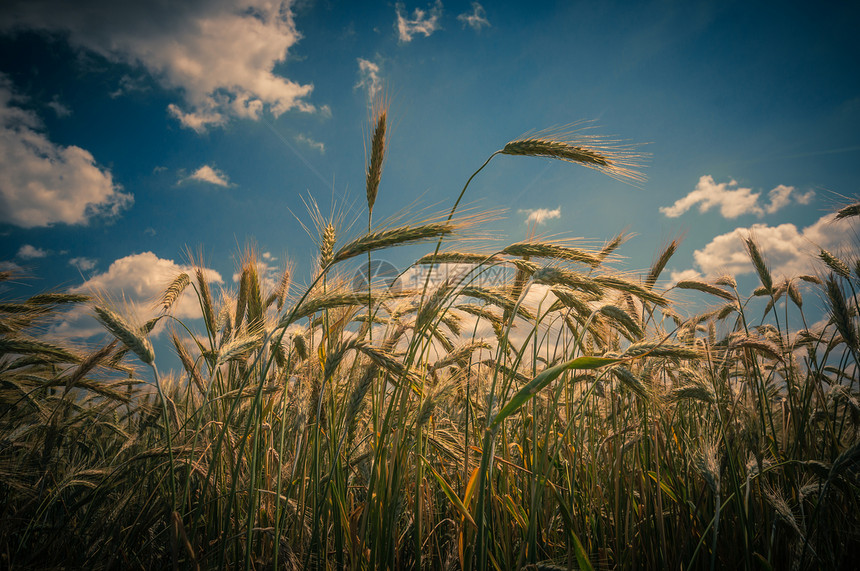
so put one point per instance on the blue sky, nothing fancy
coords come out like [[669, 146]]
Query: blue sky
[[131, 132]]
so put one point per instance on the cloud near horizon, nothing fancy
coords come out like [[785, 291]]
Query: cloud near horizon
[[42, 183], [218, 55], [422, 22], [788, 250], [135, 282], [734, 201]]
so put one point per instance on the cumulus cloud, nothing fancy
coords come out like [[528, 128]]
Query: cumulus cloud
[[302, 138], [83, 264], [476, 19], [136, 281], [422, 22], [209, 175], [42, 183], [734, 201], [28, 252], [219, 55], [540, 215], [788, 250], [369, 78]]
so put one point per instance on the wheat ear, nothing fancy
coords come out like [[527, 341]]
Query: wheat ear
[[130, 337]]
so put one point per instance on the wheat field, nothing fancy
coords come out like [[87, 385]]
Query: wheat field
[[534, 409]]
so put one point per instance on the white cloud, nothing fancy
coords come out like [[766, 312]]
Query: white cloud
[[788, 251], [311, 143], [476, 19], [83, 264], [732, 200], [137, 282], [369, 78], [540, 215], [683, 275], [28, 252], [422, 22], [42, 183], [210, 175], [60, 109], [218, 54]]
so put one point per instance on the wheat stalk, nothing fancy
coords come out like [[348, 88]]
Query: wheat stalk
[[188, 363], [89, 364]]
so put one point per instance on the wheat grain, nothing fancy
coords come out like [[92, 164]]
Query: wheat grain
[[660, 264], [206, 300], [554, 251], [621, 284], [835, 264], [759, 263], [188, 363], [618, 161], [394, 237], [848, 211], [840, 314], [57, 298], [88, 364], [377, 154], [456, 258], [239, 347], [173, 291], [327, 242], [705, 287], [129, 336]]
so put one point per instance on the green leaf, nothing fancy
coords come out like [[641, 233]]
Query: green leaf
[[581, 556], [543, 379], [452, 496]]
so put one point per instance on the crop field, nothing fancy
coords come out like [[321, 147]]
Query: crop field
[[561, 415]]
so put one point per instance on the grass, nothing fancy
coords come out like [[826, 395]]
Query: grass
[[567, 417]]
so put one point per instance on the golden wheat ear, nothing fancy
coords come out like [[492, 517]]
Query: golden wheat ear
[[378, 146], [130, 336], [574, 145]]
